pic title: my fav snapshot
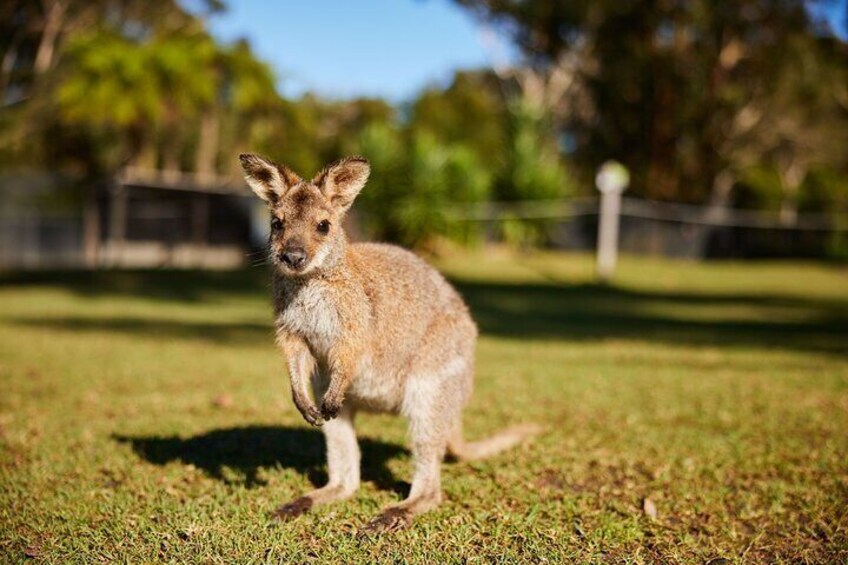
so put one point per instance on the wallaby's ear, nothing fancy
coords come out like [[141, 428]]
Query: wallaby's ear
[[341, 181], [267, 179]]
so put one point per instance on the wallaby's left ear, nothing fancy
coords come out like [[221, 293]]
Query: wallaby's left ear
[[341, 181]]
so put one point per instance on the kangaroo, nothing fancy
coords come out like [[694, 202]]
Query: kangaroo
[[368, 327]]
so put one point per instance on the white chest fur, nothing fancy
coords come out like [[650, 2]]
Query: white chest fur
[[310, 312]]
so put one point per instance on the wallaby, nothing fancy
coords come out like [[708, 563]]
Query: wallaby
[[369, 327]]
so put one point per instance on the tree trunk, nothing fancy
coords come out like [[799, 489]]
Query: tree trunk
[[54, 15], [720, 196], [8, 63], [207, 148], [117, 223], [199, 228], [171, 152], [145, 157], [90, 226], [171, 161], [791, 178], [140, 148], [717, 207], [789, 205]]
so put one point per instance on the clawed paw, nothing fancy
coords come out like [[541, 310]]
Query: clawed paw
[[293, 509], [330, 408], [313, 416], [391, 520]]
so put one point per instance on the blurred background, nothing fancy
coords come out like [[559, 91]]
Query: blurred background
[[485, 122], [696, 402]]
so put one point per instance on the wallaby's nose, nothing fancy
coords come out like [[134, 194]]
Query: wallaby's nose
[[294, 257]]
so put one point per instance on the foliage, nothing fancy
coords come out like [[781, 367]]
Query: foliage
[[134, 91], [310, 132], [689, 93], [474, 141], [384, 146], [415, 181], [533, 170], [132, 82], [470, 111]]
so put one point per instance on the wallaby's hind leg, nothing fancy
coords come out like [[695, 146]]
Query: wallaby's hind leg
[[426, 491], [433, 403], [343, 462]]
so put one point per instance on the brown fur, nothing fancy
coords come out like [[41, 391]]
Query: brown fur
[[366, 327]]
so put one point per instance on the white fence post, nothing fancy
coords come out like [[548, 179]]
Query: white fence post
[[611, 180]]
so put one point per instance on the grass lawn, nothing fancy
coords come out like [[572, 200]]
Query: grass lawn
[[145, 417]]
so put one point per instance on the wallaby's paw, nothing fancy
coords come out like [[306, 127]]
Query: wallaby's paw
[[330, 407], [391, 520], [313, 416], [293, 509]]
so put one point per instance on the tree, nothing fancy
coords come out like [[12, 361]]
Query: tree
[[471, 110], [106, 89], [415, 181], [43, 27], [247, 97], [804, 124], [673, 87]]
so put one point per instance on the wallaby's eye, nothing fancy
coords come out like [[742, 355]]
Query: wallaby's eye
[[324, 226], [276, 224]]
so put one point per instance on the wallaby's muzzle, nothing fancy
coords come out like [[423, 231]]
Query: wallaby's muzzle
[[294, 258]]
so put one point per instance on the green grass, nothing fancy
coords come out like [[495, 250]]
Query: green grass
[[145, 417]]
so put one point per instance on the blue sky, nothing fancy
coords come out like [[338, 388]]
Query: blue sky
[[835, 12], [386, 48], [347, 48]]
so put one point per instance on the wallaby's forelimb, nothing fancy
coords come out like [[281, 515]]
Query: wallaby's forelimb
[[343, 360], [301, 366]]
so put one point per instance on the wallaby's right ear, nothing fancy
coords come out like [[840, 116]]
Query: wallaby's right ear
[[268, 180]]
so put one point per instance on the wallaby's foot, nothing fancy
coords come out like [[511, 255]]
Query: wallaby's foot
[[293, 509], [391, 520], [399, 517], [323, 495]]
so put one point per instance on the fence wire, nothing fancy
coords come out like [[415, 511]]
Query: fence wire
[[159, 233]]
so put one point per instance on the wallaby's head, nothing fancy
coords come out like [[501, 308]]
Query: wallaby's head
[[306, 215]]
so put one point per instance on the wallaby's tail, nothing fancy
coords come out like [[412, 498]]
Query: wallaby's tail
[[505, 439]]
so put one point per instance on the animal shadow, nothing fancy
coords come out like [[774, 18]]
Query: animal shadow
[[235, 455]]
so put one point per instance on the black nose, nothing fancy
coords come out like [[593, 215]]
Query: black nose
[[294, 257]]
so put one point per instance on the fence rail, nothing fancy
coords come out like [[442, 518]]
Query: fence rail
[[182, 181], [647, 210]]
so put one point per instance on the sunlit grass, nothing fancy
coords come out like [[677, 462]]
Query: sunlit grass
[[146, 417]]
